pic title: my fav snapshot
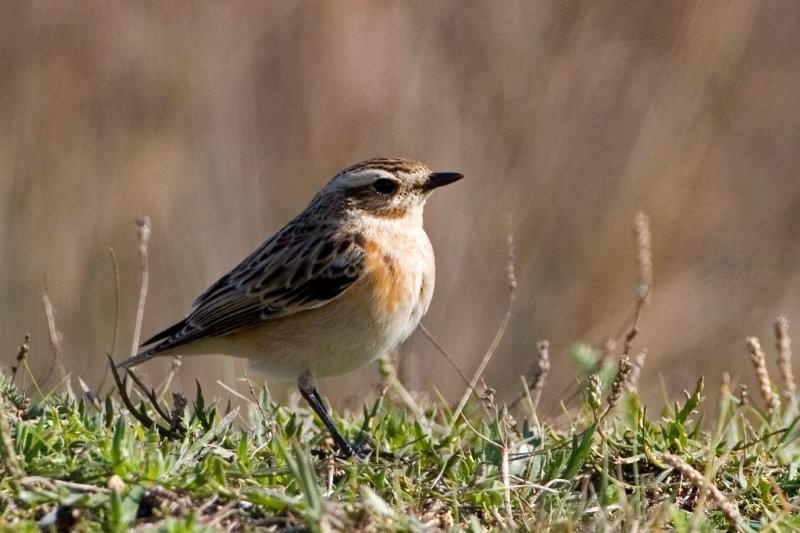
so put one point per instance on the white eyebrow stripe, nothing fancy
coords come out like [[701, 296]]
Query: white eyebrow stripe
[[362, 178]]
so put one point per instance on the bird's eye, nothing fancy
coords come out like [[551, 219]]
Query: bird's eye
[[385, 186]]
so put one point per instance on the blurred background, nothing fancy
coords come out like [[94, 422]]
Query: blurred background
[[221, 120]]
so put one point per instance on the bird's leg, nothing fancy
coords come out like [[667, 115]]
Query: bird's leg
[[306, 385]]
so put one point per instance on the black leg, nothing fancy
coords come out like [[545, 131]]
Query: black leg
[[309, 392]]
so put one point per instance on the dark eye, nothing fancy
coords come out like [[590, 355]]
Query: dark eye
[[385, 186]]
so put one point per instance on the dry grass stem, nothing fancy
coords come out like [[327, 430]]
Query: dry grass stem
[[117, 304], [444, 352], [771, 400], [594, 392], [55, 339], [783, 343], [619, 386], [265, 420], [641, 227], [22, 355], [630, 330], [484, 362], [487, 397], [34, 481], [705, 487], [542, 369], [117, 314], [143, 231], [644, 255], [505, 476], [511, 275], [725, 384], [389, 375], [10, 461], [744, 394], [636, 371], [512, 285], [88, 393], [533, 390], [175, 365]]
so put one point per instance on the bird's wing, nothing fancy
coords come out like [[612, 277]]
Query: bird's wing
[[294, 271]]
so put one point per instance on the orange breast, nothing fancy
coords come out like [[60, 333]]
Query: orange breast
[[389, 283]]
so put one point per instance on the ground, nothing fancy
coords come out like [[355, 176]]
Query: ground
[[74, 461]]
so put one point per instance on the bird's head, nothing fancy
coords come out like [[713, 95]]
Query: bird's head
[[386, 187]]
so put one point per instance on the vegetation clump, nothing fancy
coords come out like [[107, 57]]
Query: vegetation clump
[[70, 460]]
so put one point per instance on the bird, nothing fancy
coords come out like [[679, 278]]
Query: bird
[[343, 283]]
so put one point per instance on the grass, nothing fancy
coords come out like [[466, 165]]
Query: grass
[[606, 463]]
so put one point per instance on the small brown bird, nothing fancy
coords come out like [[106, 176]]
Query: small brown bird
[[342, 284]]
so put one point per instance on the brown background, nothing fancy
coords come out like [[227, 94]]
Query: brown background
[[221, 120]]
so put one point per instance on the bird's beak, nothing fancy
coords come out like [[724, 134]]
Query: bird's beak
[[437, 179]]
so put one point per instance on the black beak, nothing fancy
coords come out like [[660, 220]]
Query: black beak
[[438, 179]]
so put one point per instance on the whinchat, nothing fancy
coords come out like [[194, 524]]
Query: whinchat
[[342, 284]]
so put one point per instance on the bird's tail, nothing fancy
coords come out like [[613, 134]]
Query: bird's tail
[[158, 343], [138, 358]]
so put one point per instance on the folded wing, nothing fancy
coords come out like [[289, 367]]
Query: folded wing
[[292, 272]]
